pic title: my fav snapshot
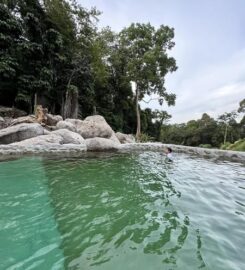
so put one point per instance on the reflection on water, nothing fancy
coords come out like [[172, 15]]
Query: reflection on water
[[122, 205], [132, 211]]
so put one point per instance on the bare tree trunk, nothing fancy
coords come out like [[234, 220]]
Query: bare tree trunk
[[71, 101], [62, 106], [35, 103], [71, 105], [138, 130], [226, 127], [94, 110]]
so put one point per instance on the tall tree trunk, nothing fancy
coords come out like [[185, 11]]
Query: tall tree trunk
[[226, 128], [71, 105], [138, 131], [62, 106], [71, 101]]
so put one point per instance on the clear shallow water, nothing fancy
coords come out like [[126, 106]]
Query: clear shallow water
[[122, 212]]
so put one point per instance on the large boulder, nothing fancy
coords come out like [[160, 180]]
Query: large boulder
[[69, 136], [66, 125], [52, 120], [95, 118], [90, 129], [2, 122], [41, 114], [23, 119], [101, 144], [54, 139], [76, 122], [114, 138], [20, 132], [11, 112], [125, 138], [94, 126], [7, 121]]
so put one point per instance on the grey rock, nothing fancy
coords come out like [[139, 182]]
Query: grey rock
[[52, 149], [69, 136], [46, 132], [95, 118], [20, 132], [2, 122], [41, 140], [11, 112], [52, 120], [66, 125], [114, 138], [75, 122], [23, 119], [125, 138], [50, 128], [101, 144], [91, 129], [92, 126]]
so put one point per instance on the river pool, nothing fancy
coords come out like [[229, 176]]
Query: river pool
[[122, 212]]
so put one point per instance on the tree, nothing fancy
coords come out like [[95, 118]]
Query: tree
[[10, 35], [148, 62], [75, 82], [241, 108], [226, 119], [160, 117]]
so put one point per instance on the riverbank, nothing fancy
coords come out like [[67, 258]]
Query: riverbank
[[52, 136], [78, 150]]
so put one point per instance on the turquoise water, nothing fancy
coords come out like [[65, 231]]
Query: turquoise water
[[131, 211]]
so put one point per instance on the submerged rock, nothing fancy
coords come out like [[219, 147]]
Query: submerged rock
[[101, 144], [20, 132]]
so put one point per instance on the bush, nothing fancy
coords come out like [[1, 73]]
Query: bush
[[205, 145], [225, 146], [145, 138], [237, 146]]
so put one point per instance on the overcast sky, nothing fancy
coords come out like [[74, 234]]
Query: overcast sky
[[209, 50]]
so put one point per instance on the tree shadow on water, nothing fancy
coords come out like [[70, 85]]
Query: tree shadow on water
[[106, 208]]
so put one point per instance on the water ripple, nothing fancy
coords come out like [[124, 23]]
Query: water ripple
[[122, 212]]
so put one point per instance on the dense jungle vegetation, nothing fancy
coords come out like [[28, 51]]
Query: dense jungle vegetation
[[53, 53]]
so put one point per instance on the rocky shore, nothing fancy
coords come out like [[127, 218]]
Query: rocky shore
[[28, 135]]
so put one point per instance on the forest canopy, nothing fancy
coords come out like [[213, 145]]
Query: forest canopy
[[53, 54]]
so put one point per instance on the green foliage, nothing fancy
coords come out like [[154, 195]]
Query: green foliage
[[236, 146], [145, 138], [52, 53], [205, 145], [205, 132], [225, 146], [146, 50], [241, 108]]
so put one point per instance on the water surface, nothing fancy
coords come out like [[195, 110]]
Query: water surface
[[130, 211]]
